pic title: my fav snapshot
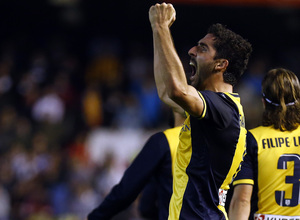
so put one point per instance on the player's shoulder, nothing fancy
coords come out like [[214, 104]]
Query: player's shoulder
[[157, 142], [220, 94], [257, 132], [211, 93], [219, 99], [258, 129], [157, 136]]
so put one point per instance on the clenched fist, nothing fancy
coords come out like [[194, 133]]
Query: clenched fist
[[162, 15]]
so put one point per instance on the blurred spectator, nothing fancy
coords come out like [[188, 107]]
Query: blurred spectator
[[64, 89], [39, 67], [49, 107], [105, 67], [29, 91], [8, 123], [23, 131], [6, 82], [92, 106], [84, 197], [150, 103], [5, 204], [131, 115], [249, 89], [77, 151]]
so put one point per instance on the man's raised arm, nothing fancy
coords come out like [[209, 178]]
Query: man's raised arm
[[169, 74]]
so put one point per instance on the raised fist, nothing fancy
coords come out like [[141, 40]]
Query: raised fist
[[162, 14]]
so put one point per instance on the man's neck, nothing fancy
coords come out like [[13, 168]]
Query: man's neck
[[178, 119], [216, 83], [219, 87]]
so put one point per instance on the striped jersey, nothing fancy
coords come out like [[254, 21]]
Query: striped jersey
[[272, 165], [153, 165], [157, 194], [209, 153]]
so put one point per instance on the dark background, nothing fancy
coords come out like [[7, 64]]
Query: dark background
[[33, 24]]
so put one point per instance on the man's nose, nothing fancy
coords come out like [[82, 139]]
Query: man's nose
[[192, 51]]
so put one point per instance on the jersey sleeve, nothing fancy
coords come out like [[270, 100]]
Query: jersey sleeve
[[247, 173], [217, 108], [148, 205], [134, 179]]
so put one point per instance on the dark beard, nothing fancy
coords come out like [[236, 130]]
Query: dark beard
[[203, 74]]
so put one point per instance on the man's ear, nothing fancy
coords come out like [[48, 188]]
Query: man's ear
[[221, 64]]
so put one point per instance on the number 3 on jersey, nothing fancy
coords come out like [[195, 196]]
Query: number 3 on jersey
[[295, 180]]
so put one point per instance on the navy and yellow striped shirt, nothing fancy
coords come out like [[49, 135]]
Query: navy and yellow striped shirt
[[208, 157]]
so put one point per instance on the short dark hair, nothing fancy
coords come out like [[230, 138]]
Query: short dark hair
[[281, 91], [232, 47]]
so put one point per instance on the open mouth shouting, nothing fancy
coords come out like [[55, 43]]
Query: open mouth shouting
[[193, 69]]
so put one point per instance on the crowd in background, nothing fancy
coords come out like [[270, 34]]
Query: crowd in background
[[69, 127], [68, 131]]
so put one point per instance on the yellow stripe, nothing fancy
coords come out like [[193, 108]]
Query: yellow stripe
[[172, 136], [222, 208], [243, 181], [240, 148], [204, 108], [204, 105], [239, 152], [185, 151]]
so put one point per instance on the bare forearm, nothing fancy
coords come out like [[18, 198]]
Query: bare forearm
[[168, 69], [158, 73], [239, 210], [240, 204]]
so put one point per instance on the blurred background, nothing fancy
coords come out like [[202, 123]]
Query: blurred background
[[78, 99]]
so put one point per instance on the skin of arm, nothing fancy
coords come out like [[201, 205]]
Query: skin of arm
[[169, 74], [240, 204]]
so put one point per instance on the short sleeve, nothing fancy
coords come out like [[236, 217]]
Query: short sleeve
[[218, 108], [247, 173]]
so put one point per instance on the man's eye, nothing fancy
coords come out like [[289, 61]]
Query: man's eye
[[203, 48]]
